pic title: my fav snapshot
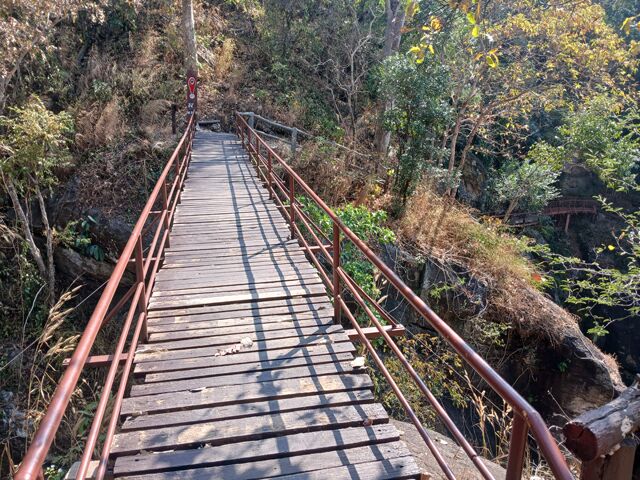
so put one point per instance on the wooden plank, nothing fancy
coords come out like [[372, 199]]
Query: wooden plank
[[253, 367], [266, 307], [244, 357], [246, 410], [299, 464], [244, 394], [257, 450], [229, 282], [226, 431], [395, 468], [248, 295], [197, 273], [235, 338], [156, 352], [373, 332], [242, 320], [250, 329], [243, 378]]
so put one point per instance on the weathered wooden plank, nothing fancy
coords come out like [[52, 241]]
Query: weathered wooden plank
[[257, 450], [197, 273], [232, 281], [395, 468], [246, 410], [247, 329], [226, 251], [156, 352], [299, 464], [243, 378], [243, 320], [245, 393], [235, 338], [266, 307], [225, 431], [269, 257], [253, 367], [285, 352], [249, 295]]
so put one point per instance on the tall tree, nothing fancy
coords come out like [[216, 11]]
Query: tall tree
[[189, 32], [26, 28], [34, 146], [396, 15]]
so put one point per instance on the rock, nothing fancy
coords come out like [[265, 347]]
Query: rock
[[548, 358], [454, 455], [74, 265]]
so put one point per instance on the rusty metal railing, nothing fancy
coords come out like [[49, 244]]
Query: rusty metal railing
[[153, 225], [283, 191]]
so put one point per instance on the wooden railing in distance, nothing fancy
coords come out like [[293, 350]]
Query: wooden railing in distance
[[152, 226], [283, 190], [605, 439]]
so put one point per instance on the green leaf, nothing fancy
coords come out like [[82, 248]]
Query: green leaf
[[476, 31]]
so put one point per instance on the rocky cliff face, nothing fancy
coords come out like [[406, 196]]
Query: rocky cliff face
[[534, 344]]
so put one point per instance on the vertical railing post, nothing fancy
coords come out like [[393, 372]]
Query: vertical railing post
[[517, 447], [294, 142], [140, 278], [292, 212], [257, 147], [269, 169], [165, 211], [258, 163], [336, 275]]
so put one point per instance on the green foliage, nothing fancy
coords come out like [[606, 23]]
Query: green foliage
[[77, 235], [606, 140], [531, 183], [367, 225], [418, 115], [34, 145], [101, 91], [603, 295], [436, 364]]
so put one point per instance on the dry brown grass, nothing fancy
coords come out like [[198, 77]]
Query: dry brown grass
[[446, 230], [100, 125]]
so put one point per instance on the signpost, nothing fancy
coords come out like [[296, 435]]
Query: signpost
[[192, 92]]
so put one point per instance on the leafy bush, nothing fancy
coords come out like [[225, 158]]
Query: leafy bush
[[368, 225]]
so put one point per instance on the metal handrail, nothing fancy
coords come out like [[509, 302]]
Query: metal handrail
[[146, 269], [526, 418]]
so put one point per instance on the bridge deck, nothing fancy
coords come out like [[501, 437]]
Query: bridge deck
[[244, 374]]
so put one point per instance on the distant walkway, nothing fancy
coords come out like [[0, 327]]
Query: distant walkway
[[244, 375]]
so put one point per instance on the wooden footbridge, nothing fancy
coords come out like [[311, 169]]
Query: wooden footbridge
[[233, 362]]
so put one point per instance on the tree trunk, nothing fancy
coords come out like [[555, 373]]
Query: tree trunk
[[396, 15], [512, 206], [26, 228], [51, 269], [189, 32]]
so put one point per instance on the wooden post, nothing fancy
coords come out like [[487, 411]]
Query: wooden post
[[165, 208], [140, 278], [292, 211], [602, 438], [618, 466], [294, 142], [174, 126], [336, 276], [566, 223], [269, 168], [517, 447]]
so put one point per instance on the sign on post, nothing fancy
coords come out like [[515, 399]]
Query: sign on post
[[192, 92]]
